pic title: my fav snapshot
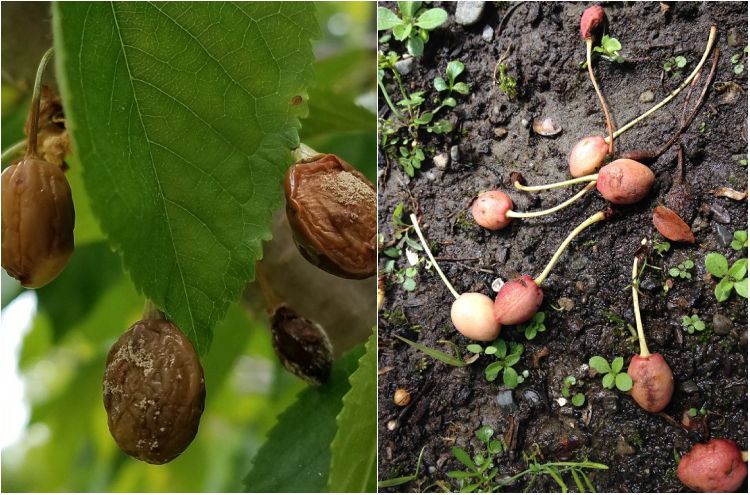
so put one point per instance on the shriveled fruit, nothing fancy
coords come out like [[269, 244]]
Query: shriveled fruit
[[518, 301], [153, 391], [591, 21], [653, 383], [302, 346], [490, 209], [587, 156], [670, 225], [472, 315], [332, 211], [37, 221], [716, 466], [624, 181]]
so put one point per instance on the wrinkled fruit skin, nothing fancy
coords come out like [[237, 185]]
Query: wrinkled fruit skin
[[625, 182], [653, 382], [587, 156], [332, 211], [591, 20], [472, 314], [670, 225], [490, 208], [518, 301], [37, 221], [716, 466], [302, 346], [153, 391]]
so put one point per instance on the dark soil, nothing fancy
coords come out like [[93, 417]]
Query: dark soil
[[494, 138]]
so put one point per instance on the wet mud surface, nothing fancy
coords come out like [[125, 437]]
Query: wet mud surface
[[587, 298]]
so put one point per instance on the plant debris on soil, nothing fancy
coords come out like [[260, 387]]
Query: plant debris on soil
[[587, 300]]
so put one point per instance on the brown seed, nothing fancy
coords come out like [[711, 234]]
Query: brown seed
[[37, 221], [401, 397], [332, 211], [153, 391], [302, 346], [671, 226]]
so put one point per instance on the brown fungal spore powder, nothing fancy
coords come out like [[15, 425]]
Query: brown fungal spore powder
[[332, 210], [154, 391]]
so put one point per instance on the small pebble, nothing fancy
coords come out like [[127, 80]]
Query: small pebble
[[724, 234], [455, 153], [720, 214], [505, 399], [525, 123], [497, 284], [733, 38], [566, 303], [501, 132], [405, 66], [467, 13], [646, 97], [487, 33], [431, 469], [623, 447], [392, 425], [688, 386], [721, 324], [441, 161]]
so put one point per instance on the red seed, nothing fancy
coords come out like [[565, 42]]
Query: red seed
[[490, 208], [587, 156], [518, 301], [653, 382], [472, 315], [624, 181], [591, 20], [716, 466], [670, 225]]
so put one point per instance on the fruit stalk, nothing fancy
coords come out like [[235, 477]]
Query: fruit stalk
[[589, 47], [568, 202], [555, 185], [414, 222], [636, 308], [31, 149]]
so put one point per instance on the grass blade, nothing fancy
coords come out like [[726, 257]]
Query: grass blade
[[434, 353]]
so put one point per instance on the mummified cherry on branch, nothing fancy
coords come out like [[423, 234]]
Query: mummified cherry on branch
[[154, 390], [301, 345], [38, 216], [332, 211]]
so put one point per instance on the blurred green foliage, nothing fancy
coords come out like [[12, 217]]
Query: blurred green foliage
[[66, 445]]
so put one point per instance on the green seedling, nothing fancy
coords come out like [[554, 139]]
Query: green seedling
[[732, 278], [507, 356], [740, 240], [405, 246], [675, 65], [454, 69], [536, 325], [682, 270], [480, 470], [556, 470], [413, 26], [738, 62], [609, 49], [693, 323], [402, 480], [613, 374], [576, 399], [661, 248], [507, 84]]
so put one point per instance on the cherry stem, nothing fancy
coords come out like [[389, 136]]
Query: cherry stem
[[304, 153], [14, 151], [35, 103], [568, 202], [589, 45], [432, 258], [637, 310], [685, 83], [596, 217], [555, 185], [151, 312]]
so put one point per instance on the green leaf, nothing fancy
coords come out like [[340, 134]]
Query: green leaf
[[578, 399], [432, 18], [608, 380], [464, 458], [182, 140], [510, 378], [490, 349], [409, 9], [461, 88], [474, 348], [739, 69], [530, 332], [624, 382], [434, 353], [425, 118], [675, 272], [699, 325], [485, 433], [723, 289], [716, 264], [301, 439], [409, 284], [611, 44], [387, 19], [599, 364], [492, 370], [402, 31], [449, 102], [738, 269], [454, 69], [353, 450], [741, 287], [415, 46], [680, 61], [440, 84], [617, 364]]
